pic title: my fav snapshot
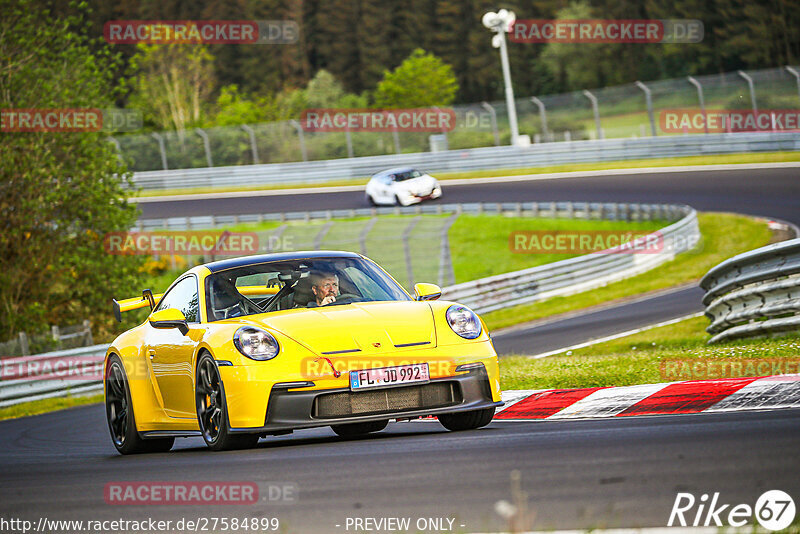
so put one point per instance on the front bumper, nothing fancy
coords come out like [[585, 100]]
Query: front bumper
[[290, 409]]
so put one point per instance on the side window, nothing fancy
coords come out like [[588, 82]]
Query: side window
[[184, 297]]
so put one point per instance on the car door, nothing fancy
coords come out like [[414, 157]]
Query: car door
[[170, 353]]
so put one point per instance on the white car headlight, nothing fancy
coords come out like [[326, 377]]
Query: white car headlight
[[255, 343], [463, 321]]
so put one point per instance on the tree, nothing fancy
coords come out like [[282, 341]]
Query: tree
[[577, 65], [422, 80], [174, 83], [60, 193]]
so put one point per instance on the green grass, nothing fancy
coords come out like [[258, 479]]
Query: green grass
[[651, 356], [47, 405], [724, 235], [479, 244], [763, 157]]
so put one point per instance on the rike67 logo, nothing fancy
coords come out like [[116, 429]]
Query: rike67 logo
[[774, 510]]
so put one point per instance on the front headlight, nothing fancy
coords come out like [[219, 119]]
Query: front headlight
[[463, 321], [255, 343]]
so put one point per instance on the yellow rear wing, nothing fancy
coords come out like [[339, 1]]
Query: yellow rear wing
[[135, 303], [250, 291]]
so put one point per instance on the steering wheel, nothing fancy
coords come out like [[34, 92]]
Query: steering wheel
[[344, 298], [226, 312]]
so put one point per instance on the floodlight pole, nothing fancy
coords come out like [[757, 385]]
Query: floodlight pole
[[499, 23]]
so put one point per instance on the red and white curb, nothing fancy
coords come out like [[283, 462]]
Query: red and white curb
[[695, 396]]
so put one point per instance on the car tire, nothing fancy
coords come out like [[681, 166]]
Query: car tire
[[350, 430], [397, 201], [212, 410], [120, 417], [467, 420], [370, 200]]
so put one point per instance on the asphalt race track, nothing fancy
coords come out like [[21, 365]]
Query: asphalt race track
[[578, 474], [550, 335], [772, 192], [616, 472]]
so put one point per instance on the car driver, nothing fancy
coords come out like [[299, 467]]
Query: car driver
[[325, 286]]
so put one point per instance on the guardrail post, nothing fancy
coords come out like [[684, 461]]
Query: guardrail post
[[23, 344], [362, 237], [88, 327], [444, 132], [301, 136], [158, 137], [407, 251], [253, 146], [699, 87], [55, 333], [535, 209], [396, 138], [321, 234], [593, 100], [206, 145], [119, 148], [445, 260], [493, 113], [796, 75], [543, 117], [349, 140], [749, 81], [649, 99]]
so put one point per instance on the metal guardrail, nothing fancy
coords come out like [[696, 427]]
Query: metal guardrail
[[754, 294], [575, 274], [556, 210], [52, 374], [45, 375], [503, 157]]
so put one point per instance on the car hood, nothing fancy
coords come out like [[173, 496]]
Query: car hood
[[421, 185], [360, 325]]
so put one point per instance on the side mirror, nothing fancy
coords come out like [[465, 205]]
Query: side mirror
[[169, 318], [427, 291]]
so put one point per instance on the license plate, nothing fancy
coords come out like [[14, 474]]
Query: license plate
[[389, 376]]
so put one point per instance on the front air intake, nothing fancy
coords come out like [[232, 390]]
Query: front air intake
[[398, 399]]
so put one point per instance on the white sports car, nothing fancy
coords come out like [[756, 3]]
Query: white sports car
[[402, 186]]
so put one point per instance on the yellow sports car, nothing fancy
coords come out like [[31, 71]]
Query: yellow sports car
[[248, 347]]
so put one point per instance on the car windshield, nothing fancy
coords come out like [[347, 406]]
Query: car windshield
[[407, 175], [301, 283]]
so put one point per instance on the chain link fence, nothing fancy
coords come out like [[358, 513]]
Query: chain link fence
[[624, 111], [59, 338]]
